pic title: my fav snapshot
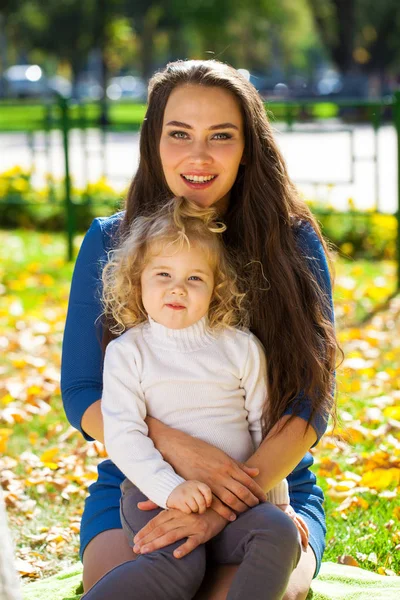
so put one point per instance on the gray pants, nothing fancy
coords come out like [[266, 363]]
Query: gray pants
[[263, 541]]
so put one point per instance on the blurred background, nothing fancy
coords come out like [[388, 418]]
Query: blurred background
[[73, 89]]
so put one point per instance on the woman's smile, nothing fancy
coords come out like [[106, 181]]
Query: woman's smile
[[199, 182]]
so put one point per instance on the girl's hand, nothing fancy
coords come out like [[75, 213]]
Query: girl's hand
[[173, 525], [230, 481], [298, 521], [191, 497]]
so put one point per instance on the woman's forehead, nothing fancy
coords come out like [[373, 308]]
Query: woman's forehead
[[202, 106]]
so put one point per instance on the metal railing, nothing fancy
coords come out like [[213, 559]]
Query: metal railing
[[63, 117]]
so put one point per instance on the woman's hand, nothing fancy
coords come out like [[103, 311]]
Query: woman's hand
[[230, 481], [298, 521], [173, 525]]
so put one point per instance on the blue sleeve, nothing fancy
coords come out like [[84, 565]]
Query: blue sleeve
[[82, 361], [310, 245]]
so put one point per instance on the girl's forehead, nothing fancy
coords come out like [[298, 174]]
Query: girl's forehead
[[176, 249]]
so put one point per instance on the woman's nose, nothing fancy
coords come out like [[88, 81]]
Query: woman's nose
[[200, 153]]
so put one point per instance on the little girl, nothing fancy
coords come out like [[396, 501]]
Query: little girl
[[186, 359]]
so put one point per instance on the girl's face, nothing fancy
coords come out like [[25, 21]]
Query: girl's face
[[177, 286], [202, 144]]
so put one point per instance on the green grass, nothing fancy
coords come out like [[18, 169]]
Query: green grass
[[34, 274], [28, 116]]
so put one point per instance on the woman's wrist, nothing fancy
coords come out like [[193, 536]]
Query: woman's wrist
[[166, 439]]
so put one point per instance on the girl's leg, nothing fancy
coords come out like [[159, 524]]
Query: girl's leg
[[155, 576], [266, 544], [219, 580]]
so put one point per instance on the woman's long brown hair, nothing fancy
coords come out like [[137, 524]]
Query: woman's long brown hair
[[290, 311]]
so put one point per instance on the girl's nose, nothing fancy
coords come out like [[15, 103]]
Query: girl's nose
[[178, 289]]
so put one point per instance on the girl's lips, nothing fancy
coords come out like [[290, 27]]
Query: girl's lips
[[196, 185], [175, 306]]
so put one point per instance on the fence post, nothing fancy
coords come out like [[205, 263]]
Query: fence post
[[396, 115], [69, 208]]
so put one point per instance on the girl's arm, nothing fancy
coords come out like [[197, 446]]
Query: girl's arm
[[125, 431]]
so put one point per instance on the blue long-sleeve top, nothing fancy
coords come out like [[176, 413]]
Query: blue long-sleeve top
[[82, 361]]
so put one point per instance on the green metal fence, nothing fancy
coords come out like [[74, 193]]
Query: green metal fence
[[65, 117]]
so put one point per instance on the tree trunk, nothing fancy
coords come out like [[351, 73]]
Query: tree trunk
[[147, 31], [337, 28], [9, 585]]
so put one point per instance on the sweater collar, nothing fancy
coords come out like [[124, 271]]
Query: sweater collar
[[188, 339]]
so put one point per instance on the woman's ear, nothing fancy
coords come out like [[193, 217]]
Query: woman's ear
[[243, 161]]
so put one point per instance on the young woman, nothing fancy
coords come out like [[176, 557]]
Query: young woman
[[206, 137]]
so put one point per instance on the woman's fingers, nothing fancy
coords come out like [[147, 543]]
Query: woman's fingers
[[191, 543], [223, 510], [244, 494], [303, 530], [252, 471], [159, 542], [162, 518], [240, 474], [147, 505], [231, 500]]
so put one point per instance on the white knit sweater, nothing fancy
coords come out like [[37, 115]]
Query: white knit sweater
[[212, 387]]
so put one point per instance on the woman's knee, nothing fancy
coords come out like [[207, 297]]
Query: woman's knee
[[301, 578], [103, 553]]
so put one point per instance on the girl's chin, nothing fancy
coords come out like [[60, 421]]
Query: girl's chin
[[204, 202]]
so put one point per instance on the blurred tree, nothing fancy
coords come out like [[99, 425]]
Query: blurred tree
[[253, 34], [359, 34]]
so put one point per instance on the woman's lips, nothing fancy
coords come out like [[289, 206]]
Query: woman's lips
[[197, 185], [175, 306]]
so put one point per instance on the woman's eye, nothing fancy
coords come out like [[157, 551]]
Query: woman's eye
[[222, 136], [179, 135]]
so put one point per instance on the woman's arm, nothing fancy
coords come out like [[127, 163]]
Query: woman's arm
[[281, 451], [81, 365], [310, 246], [92, 422]]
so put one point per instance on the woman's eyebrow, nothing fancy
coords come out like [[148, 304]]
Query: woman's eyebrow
[[179, 124], [224, 126], [211, 128]]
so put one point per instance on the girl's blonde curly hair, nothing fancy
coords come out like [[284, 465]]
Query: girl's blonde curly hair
[[178, 223]]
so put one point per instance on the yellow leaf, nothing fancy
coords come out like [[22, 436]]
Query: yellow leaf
[[348, 560], [392, 412], [4, 436], [48, 455], [33, 437], [380, 479]]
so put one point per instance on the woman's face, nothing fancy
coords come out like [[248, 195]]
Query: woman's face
[[202, 144]]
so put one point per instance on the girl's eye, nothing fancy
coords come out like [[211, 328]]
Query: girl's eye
[[195, 278], [163, 274], [179, 135]]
